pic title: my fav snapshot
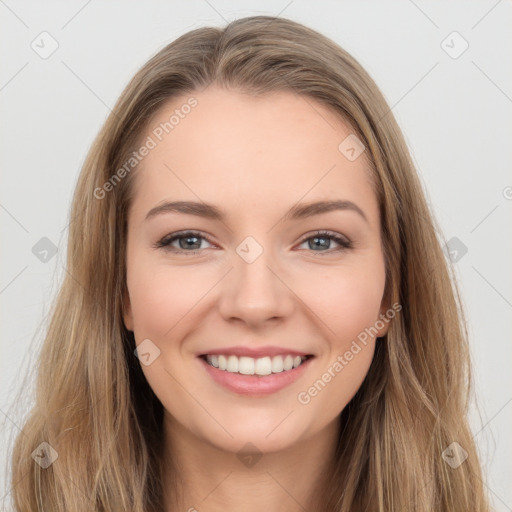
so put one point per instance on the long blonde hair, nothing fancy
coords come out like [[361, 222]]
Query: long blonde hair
[[93, 405]]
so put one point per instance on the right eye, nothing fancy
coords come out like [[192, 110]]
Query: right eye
[[188, 242]]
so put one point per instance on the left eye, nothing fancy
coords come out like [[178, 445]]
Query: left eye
[[322, 239]]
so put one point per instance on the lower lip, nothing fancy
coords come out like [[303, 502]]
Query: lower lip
[[255, 384]]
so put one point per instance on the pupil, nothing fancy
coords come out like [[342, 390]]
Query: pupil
[[187, 245], [325, 244]]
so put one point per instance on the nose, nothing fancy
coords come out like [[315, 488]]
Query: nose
[[256, 292]]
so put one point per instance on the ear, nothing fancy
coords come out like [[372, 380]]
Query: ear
[[127, 311]]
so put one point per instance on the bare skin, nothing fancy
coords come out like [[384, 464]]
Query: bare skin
[[254, 158]]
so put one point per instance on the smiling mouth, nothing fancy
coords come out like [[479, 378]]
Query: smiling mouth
[[255, 366]]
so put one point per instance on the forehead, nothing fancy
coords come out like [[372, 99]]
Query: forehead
[[245, 150]]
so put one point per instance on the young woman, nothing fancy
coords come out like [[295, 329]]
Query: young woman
[[257, 313]]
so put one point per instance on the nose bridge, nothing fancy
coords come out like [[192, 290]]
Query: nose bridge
[[254, 291]]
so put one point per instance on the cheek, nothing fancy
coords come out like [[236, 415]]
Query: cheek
[[160, 298], [347, 301]]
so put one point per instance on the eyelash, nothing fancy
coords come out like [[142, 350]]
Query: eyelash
[[165, 242]]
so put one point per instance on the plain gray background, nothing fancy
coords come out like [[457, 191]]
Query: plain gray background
[[454, 108]]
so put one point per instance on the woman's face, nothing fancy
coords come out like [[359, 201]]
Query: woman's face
[[254, 286]]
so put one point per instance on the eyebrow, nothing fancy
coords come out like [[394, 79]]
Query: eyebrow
[[209, 211]]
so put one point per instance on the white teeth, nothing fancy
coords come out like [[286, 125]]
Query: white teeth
[[232, 364], [246, 365], [263, 366], [250, 366], [277, 364]]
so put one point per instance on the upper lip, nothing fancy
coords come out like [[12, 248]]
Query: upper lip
[[254, 352]]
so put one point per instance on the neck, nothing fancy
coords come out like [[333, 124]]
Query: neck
[[204, 478]]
